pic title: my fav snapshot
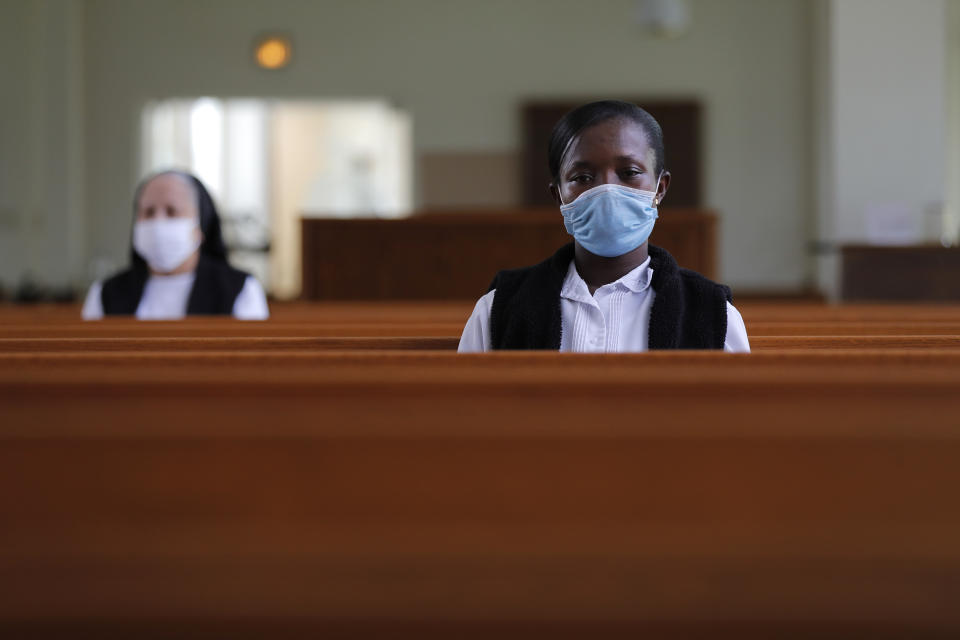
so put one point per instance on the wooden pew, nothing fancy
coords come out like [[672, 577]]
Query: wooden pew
[[139, 398], [363, 494], [855, 341], [438, 325], [280, 344], [225, 329], [851, 328], [221, 329], [426, 311], [458, 311], [167, 344]]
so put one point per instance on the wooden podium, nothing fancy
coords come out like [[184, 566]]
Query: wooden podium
[[454, 255]]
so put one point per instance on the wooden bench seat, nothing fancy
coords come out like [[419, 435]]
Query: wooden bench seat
[[446, 320], [458, 311], [339, 472], [374, 493], [848, 342], [222, 328], [927, 372], [163, 344], [227, 329], [232, 344]]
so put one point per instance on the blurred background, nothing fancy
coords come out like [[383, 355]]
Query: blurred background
[[803, 125]]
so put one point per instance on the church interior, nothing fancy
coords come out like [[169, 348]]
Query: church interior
[[314, 454]]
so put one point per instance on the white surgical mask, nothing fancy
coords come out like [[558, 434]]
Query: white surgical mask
[[610, 220], [166, 243]]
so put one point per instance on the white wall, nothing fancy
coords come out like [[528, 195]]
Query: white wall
[[462, 68], [884, 127], [14, 140], [41, 142], [888, 103], [952, 232]]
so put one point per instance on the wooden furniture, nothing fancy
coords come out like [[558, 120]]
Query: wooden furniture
[[369, 320], [456, 255], [437, 495], [875, 273], [221, 479], [292, 344]]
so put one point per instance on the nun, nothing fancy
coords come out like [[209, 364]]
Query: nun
[[178, 260]]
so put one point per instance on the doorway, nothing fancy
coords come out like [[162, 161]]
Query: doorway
[[267, 163]]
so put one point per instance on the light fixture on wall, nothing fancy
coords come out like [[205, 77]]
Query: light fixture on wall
[[273, 51], [663, 18]]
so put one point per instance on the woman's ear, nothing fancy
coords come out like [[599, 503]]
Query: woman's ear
[[662, 187]]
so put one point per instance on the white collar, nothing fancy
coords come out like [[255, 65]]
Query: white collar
[[574, 287]]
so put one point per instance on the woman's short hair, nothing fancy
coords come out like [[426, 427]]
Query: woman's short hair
[[575, 122]]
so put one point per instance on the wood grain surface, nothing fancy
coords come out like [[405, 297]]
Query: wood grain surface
[[218, 479]]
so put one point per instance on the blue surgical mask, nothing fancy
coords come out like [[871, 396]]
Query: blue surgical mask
[[611, 220]]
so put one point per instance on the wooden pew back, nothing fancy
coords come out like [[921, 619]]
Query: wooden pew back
[[286, 484]]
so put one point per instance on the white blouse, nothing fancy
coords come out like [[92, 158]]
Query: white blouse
[[166, 298], [616, 318]]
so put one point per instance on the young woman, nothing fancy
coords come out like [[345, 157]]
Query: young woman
[[607, 291], [178, 260]]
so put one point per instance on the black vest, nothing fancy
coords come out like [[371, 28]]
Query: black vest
[[215, 289], [689, 311]]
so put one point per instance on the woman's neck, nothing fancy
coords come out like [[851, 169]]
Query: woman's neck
[[597, 271]]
